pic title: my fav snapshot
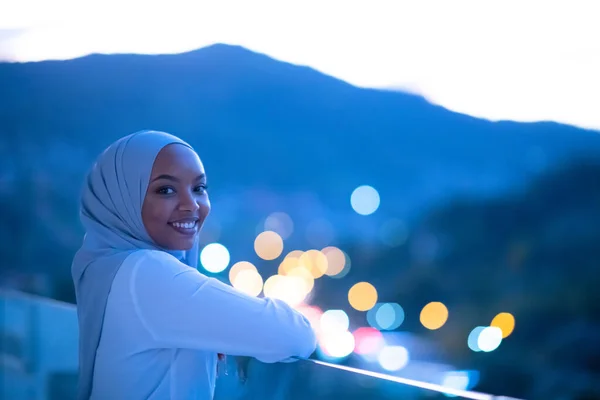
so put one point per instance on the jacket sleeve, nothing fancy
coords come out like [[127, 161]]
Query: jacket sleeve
[[183, 308]]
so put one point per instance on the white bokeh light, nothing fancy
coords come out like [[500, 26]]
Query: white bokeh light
[[337, 344], [365, 200], [291, 289], [458, 380], [393, 358], [334, 321], [489, 338], [214, 257], [248, 281]]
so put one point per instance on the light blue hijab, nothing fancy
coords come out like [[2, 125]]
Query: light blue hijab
[[111, 213]]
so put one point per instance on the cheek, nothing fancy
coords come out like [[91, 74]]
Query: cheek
[[155, 213]]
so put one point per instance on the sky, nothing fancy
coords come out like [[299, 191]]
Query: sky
[[524, 60]]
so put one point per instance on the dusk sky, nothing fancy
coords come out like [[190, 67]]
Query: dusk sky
[[516, 60]]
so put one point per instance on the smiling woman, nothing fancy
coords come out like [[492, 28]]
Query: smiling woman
[[176, 203], [151, 325]]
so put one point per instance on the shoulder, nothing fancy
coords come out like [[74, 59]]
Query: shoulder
[[154, 263], [150, 257]]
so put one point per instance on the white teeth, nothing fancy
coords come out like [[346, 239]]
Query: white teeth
[[187, 225]]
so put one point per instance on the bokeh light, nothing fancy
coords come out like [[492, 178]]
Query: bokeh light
[[290, 289], [315, 262], [459, 380], [368, 341], [307, 278], [214, 258], [281, 223], [385, 316], [334, 321], [365, 200], [388, 316], [371, 320], [434, 315], [472, 340], [337, 344], [506, 322], [237, 268], [288, 264], [393, 358], [362, 296], [248, 281], [294, 254], [347, 266], [489, 338], [268, 245], [336, 260]]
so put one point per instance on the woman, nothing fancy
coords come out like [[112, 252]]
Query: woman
[[150, 324]]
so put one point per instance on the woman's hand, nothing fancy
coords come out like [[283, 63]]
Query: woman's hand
[[241, 366], [221, 364]]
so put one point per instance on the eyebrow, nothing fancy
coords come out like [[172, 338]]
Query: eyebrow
[[175, 179]]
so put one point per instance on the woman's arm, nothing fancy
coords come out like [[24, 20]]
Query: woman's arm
[[183, 308]]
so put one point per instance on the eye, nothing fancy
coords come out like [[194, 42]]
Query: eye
[[165, 190], [201, 188]]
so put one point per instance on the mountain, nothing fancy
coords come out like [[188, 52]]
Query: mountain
[[271, 134]]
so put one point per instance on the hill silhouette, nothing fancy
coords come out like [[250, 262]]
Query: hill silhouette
[[288, 132], [245, 111]]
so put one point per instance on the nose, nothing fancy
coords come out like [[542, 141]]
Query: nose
[[188, 202]]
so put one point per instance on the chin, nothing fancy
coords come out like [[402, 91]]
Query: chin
[[179, 245], [183, 246]]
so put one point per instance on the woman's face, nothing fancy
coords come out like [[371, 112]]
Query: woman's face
[[176, 202]]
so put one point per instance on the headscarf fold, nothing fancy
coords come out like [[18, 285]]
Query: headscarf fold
[[111, 213]]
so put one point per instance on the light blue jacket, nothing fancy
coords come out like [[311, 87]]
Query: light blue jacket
[[165, 322]]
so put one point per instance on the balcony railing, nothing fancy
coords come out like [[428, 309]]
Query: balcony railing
[[39, 358], [38, 348]]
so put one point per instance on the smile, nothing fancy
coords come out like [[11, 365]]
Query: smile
[[186, 228]]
